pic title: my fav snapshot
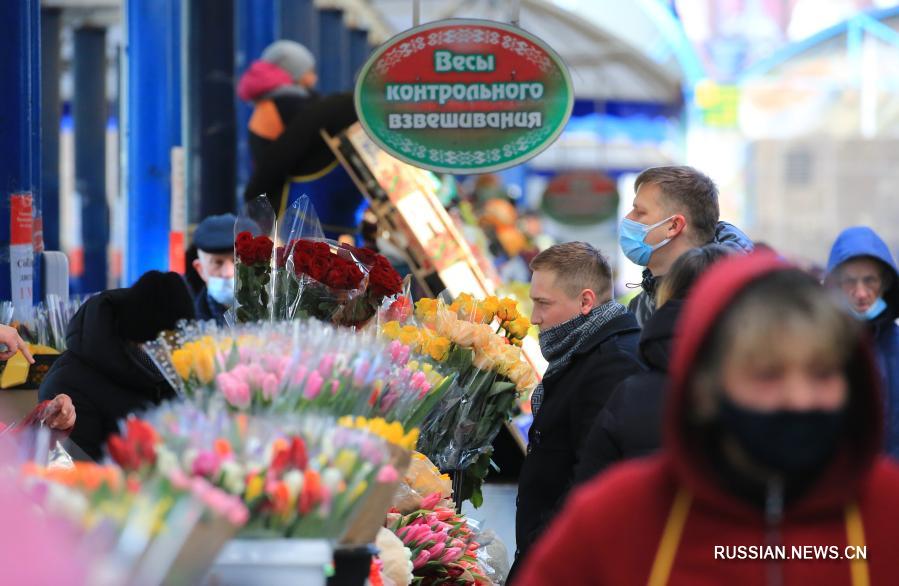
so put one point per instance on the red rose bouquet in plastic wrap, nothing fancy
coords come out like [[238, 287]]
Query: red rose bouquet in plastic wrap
[[253, 281]]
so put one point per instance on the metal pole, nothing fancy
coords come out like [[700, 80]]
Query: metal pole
[[19, 141], [51, 19], [359, 50], [256, 23], [90, 116], [334, 52], [151, 126], [416, 13], [209, 126], [299, 22]]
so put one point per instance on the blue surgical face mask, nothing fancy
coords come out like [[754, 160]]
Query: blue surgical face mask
[[632, 236], [221, 289], [872, 312]]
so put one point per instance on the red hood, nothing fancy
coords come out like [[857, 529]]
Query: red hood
[[261, 78], [708, 300]]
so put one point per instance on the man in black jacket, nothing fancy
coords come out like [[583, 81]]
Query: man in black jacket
[[104, 370], [590, 341]]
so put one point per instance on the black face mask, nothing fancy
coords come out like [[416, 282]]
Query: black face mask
[[788, 442]]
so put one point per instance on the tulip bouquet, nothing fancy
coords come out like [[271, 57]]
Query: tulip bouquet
[[479, 342], [299, 366], [299, 477], [442, 544], [165, 528]]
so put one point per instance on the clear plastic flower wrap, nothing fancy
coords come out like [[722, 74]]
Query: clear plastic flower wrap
[[477, 341], [299, 366], [254, 285], [299, 476]]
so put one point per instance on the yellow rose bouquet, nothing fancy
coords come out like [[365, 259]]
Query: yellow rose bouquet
[[478, 341]]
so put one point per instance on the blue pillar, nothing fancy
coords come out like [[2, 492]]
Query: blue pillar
[[51, 110], [19, 129], [210, 139], [359, 51], [90, 114], [334, 52], [299, 22], [256, 29], [151, 126]]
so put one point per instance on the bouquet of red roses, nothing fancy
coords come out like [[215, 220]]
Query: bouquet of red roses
[[253, 277], [330, 283]]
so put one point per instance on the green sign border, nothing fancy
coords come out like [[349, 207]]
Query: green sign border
[[560, 63]]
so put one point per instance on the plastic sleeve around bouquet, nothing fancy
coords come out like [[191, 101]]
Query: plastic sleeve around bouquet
[[300, 476], [172, 353], [299, 222], [331, 283], [254, 262], [451, 435]]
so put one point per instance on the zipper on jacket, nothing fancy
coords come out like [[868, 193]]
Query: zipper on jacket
[[774, 506]]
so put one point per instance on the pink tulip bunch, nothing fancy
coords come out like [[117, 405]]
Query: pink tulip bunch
[[442, 544]]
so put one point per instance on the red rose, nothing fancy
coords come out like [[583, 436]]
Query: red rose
[[242, 239]]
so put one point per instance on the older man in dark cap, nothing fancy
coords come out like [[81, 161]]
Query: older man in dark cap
[[214, 240]]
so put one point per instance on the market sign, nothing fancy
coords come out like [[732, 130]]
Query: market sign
[[464, 96], [581, 198]]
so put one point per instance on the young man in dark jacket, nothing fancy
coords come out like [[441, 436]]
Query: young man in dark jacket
[[675, 210], [104, 370], [590, 341]]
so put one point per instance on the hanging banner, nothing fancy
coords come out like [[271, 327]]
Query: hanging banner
[[21, 254], [581, 198], [464, 96]]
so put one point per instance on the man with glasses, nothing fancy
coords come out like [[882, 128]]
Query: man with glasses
[[862, 268]]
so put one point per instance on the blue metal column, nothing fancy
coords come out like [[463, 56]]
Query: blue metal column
[[19, 119], [90, 114], [151, 126], [299, 22], [334, 73], [256, 29], [51, 110], [209, 125], [359, 51]]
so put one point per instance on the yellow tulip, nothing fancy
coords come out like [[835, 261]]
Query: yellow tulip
[[182, 360], [409, 335], [508, 310], [345, 462], [204, 363], [254, 488], [490, 306], [391, 329]]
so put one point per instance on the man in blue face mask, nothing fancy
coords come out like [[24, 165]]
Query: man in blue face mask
[[214, 239], [675, 210], [863, 270]]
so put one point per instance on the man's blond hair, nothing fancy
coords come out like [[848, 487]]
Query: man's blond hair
[[577, 266]]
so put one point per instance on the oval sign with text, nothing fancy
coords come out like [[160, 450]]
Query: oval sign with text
[[464, 96]]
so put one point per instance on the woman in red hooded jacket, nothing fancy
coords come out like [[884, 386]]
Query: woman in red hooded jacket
[[771, 444]]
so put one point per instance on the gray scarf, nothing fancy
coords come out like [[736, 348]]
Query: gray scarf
[[560, 343]]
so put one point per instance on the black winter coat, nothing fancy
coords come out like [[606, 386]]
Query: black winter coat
[[106, 376], [571, 401], [630, 425], [207, 308], [300, 150]]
